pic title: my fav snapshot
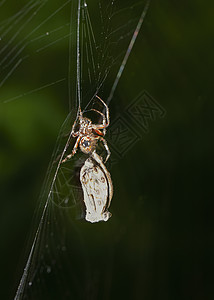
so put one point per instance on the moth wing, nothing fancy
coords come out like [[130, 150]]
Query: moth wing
[[95, 191]]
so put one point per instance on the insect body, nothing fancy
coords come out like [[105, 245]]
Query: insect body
[[97, 189]]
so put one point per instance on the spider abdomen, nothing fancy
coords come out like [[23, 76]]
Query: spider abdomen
[[87, 144]]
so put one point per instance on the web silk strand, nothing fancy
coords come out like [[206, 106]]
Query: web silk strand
[[131, 44], [78, 52]]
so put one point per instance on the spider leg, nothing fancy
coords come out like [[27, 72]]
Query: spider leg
[[74, 125], [104, 118], [73, 151], [99, 126], [99, 132], [107, 110], [79, 115], [75, 134], [106, 147]]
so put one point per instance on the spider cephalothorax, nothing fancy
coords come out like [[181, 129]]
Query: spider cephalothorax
[[88, 133]]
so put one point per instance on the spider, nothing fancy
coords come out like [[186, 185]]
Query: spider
[[89, 134]]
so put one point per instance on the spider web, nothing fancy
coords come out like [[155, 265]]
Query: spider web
[[61, 262]]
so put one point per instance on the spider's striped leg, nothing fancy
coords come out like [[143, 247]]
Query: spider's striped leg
[[104, 117], [79, 116], [106, 147], [104, 121], [73, 151], [107, 110]]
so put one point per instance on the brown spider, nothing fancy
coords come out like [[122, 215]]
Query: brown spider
[[89, 134]]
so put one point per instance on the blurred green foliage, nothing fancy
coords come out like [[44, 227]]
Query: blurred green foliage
[[160, 237]]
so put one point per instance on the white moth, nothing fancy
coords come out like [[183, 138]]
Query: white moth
[[97, 189]]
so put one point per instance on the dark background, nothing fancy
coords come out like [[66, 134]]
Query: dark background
[[158, 243]]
